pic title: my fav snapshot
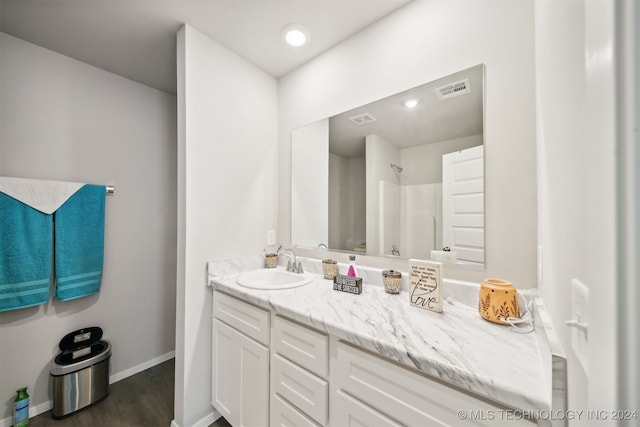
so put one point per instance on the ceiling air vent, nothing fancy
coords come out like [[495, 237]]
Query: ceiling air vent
[[362, 119], [453, 89]]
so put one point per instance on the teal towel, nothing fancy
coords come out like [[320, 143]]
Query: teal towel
[[79, 243], [26, 244]]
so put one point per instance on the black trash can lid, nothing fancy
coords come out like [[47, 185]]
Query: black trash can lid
[[72, 361], [81, 338]]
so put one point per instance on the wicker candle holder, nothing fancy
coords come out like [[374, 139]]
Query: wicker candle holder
[[329, 268], [271, 260], [392, 281]]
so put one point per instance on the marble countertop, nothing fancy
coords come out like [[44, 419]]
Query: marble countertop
[[456, 346]]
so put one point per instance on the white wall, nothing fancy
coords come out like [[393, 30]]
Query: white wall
[[418, 171], [227, 142], [390, 223], [347, 194], [65, 120], [576, 99], [421, 42], [627, 72], [357, 183], [380, 155], [421, 213], [310, 189], [562, 177], [338, 167], [602, 234]]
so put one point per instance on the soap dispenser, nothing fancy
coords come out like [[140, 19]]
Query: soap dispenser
[[352, 267]]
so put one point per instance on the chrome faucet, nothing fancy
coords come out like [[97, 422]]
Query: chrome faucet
[[394, 250], [293, 265]]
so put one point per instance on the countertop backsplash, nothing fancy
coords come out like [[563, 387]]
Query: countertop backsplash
[[461, 291]]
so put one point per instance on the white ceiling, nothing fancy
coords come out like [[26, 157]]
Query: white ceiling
[[432, 120], [137, 38]]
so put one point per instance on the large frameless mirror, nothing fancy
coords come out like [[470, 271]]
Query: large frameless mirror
[[400, 177]]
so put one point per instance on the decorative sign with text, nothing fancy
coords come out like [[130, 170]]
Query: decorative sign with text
[[352, 285], [425, 285]]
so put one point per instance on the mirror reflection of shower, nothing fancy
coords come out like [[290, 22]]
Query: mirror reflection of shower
[[396, 167]]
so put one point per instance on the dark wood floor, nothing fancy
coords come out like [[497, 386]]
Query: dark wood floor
[[142, 400]]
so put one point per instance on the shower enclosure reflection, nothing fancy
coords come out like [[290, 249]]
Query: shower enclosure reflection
[[391, 190]]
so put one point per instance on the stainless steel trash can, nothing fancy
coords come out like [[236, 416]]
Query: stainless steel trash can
[[80, 372]]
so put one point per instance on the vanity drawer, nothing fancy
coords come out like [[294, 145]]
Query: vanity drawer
[[350, 412], [406, 396], [304, 346], [303, 389], [246, 318], [285, 415]]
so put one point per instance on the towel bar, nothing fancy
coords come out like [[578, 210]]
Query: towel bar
[[110, 190]]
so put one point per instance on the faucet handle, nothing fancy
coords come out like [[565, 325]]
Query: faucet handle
[[289, 266], [299, 268]]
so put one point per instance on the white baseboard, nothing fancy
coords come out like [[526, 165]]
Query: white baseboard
[[204, 422], [209, 419], [45, 406], [141, 367]]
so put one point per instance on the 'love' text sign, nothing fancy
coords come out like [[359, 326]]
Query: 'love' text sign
[[425, 285]]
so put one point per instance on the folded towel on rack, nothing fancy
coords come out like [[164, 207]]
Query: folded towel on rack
[[79, 243], [45, 196], [26, 244]]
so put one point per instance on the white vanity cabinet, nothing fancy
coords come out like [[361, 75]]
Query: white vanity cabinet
[[299, 370], [268, 370], [369, 390], [240, 361]]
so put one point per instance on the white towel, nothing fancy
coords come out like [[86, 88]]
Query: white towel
[[45, 196]]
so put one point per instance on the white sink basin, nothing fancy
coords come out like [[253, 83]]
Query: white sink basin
[[272, 278]]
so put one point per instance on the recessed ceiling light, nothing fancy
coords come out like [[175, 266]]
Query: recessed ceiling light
[[411, 103], [295, 34]]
